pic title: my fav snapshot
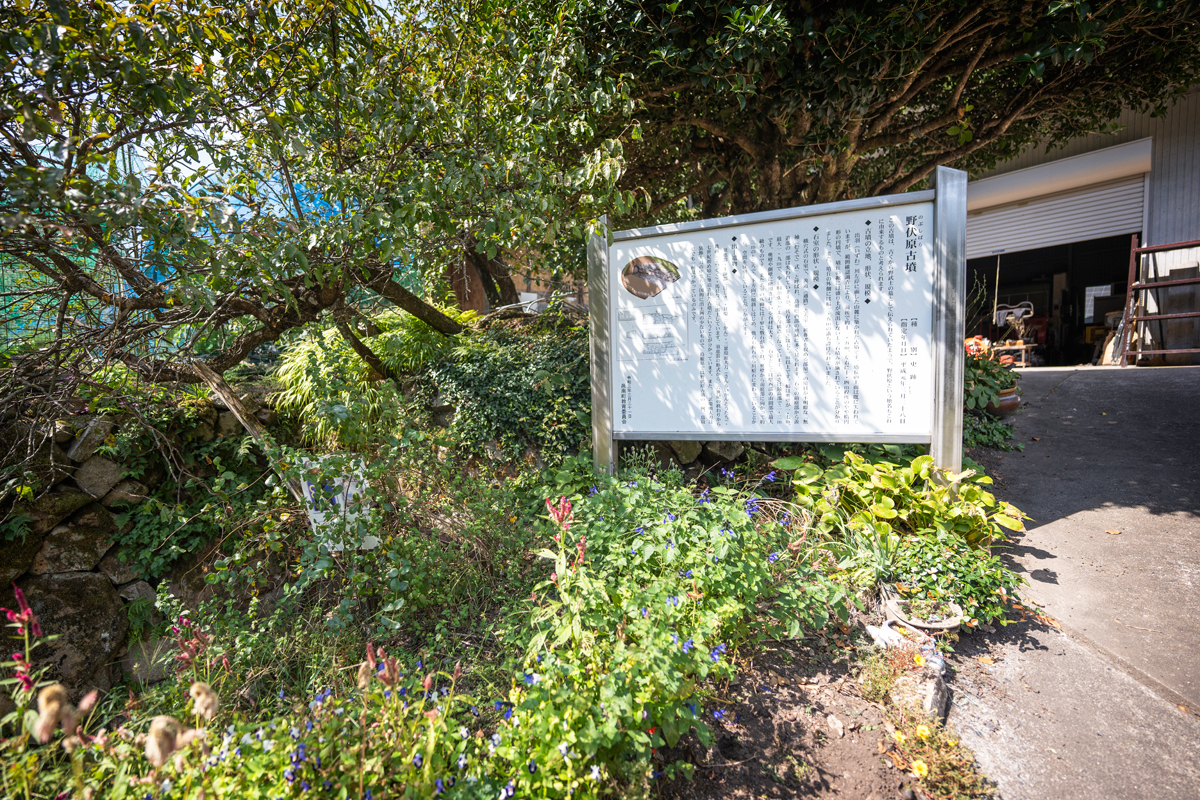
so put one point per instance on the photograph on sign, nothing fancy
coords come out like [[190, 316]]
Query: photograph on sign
[[819, 325]]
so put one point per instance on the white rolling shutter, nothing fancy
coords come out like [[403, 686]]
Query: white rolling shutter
[[1093, 212]]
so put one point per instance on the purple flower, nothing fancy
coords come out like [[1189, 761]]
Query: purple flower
[[688, 645], [593, 491], [717, 652], [438, 787], [532, 766], [770, 476], [417, 760], [773, 557], [719, 715]]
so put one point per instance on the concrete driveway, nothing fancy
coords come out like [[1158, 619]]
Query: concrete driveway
[[1110, 475]]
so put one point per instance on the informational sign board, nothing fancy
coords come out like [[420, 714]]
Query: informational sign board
[[832, 323]]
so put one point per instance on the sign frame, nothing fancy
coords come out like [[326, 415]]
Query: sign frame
[[949, 197]]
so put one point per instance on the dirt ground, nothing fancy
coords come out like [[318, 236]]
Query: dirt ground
[[777, 741]]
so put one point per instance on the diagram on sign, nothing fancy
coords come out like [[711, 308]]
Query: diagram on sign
[[657, 332]]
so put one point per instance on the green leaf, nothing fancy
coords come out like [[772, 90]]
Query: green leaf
[[789, 463]]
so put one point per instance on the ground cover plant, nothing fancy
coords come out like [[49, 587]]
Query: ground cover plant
[[613, 616]]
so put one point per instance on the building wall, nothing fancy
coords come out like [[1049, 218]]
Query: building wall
[[1174, 189]]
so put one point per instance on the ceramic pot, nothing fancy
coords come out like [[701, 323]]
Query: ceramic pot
[[1007, 402]]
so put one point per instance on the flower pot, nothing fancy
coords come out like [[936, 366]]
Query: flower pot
[[1006, 403], [896, 609]]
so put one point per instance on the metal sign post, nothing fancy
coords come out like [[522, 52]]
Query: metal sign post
[[840, 322]]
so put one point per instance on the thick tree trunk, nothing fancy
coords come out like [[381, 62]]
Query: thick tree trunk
[[380, 281], [493, 272]]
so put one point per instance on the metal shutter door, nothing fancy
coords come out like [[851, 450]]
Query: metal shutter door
[[1094, 212]]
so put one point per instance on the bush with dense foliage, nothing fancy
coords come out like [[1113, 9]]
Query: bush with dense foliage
[[521, 387]]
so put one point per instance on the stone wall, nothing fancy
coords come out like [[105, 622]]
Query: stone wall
[[69, 565]]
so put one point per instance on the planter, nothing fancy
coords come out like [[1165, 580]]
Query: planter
[[896, 608], [1006, 403]]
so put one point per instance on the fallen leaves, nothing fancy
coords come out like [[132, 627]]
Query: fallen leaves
[[1114, 533], [985, 660], [1051, 621], [1181, 708]]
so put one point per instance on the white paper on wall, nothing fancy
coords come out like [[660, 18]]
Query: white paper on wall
[[817, 325]]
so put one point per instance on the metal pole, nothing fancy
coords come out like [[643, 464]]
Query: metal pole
[[996, 296], [1126, 343], [949, 323], [603, 448]]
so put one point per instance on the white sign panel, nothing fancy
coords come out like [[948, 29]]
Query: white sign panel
[[820, 325]]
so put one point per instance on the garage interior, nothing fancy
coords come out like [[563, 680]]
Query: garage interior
[[1072, 288]]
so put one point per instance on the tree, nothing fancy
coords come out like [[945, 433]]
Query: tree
[[750, 107], [201, 176]]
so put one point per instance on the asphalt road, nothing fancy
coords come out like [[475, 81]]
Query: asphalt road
[[1110, 475]]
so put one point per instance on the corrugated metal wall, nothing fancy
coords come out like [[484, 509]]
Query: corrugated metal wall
[[1174, 196], [1078, 215]]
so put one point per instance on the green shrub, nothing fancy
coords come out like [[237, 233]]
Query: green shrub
[[885, 498], [521, 388], [652, 592], [320, 375]]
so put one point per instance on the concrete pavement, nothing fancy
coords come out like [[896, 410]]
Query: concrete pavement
[[1110, 475]]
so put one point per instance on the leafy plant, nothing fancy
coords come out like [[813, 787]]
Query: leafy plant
[[322, 378], [521, 388], [940, 566], [984, 378], [652, 591], [884, 497], [981, 430]]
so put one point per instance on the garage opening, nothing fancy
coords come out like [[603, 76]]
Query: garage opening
[[1062, 300]]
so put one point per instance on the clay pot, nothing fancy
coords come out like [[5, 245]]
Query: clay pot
[[1007, 402]]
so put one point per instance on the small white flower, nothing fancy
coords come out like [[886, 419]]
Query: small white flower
[[563, 747], [595, 772], [268, 744], [463, 732], [166, 785], [462, 760], [496, 739]]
